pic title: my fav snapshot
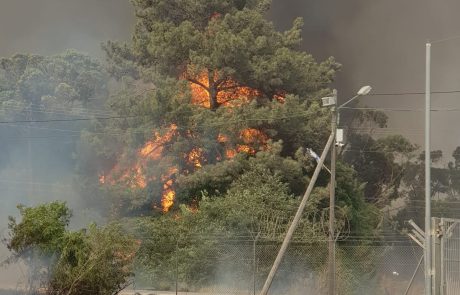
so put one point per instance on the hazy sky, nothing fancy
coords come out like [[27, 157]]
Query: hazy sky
[[51, 26], [379, 42]]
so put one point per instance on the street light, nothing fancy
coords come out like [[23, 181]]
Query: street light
[[332, 102]]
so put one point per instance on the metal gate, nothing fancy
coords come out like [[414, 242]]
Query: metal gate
[[448, 232]]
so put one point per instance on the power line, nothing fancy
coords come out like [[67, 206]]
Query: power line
[[413, 93], [254, 119], [445, 39], [237, 121], [56, 111], [400, 109], [300, 114], [63, 110], [71, 120]]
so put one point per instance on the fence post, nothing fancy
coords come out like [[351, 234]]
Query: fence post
[[443, 239], [177, 265], [254, 270], [437, 261]]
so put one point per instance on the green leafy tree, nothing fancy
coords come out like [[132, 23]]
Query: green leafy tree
[[191, 242], [36, 80], [381, 163], [215, 71], [444, 189], [227, 41], [40, 88], [97, 260]]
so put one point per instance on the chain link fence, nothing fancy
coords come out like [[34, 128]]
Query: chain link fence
[[241, 265]]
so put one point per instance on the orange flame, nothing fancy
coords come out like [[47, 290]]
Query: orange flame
[[195, 157], [169, 195], [230, 93], [154, 148], [252, 139], [135, 177], [251, 135]]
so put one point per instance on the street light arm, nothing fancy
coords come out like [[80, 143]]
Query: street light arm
[[344, 104]]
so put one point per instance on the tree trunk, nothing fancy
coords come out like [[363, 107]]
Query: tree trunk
[[214, 104], [213, 98]]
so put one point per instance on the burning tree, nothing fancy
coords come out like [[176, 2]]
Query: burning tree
[[213, 102], [202, 82]]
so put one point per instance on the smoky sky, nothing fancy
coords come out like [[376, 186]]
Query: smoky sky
[[51, 26], [382, 43], [379, 43]]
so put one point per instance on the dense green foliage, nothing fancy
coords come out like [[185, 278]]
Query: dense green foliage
[[97, 260], [38, 88], [40, 227], [36, 81]]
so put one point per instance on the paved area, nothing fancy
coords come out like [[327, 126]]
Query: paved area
[[151, 292]]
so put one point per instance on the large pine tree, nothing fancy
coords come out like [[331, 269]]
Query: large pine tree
[[202, 83]]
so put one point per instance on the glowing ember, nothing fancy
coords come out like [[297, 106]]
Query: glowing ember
[[230, 153], [195, 157], [280, 97], [222, 138]]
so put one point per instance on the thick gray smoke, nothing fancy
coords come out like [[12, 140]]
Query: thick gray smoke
[[382, 43], [51, 26], [38, 166]]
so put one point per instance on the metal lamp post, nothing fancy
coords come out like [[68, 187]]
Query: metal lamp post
[[428, 272], [332, 102]]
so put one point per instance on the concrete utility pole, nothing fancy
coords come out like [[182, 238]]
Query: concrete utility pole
[[428, 269], [332, 102], [331, 255], [297, 218]]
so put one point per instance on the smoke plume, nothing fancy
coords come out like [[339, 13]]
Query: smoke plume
[[382, 43]]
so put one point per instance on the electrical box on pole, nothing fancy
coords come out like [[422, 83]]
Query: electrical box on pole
[[329, 101]]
